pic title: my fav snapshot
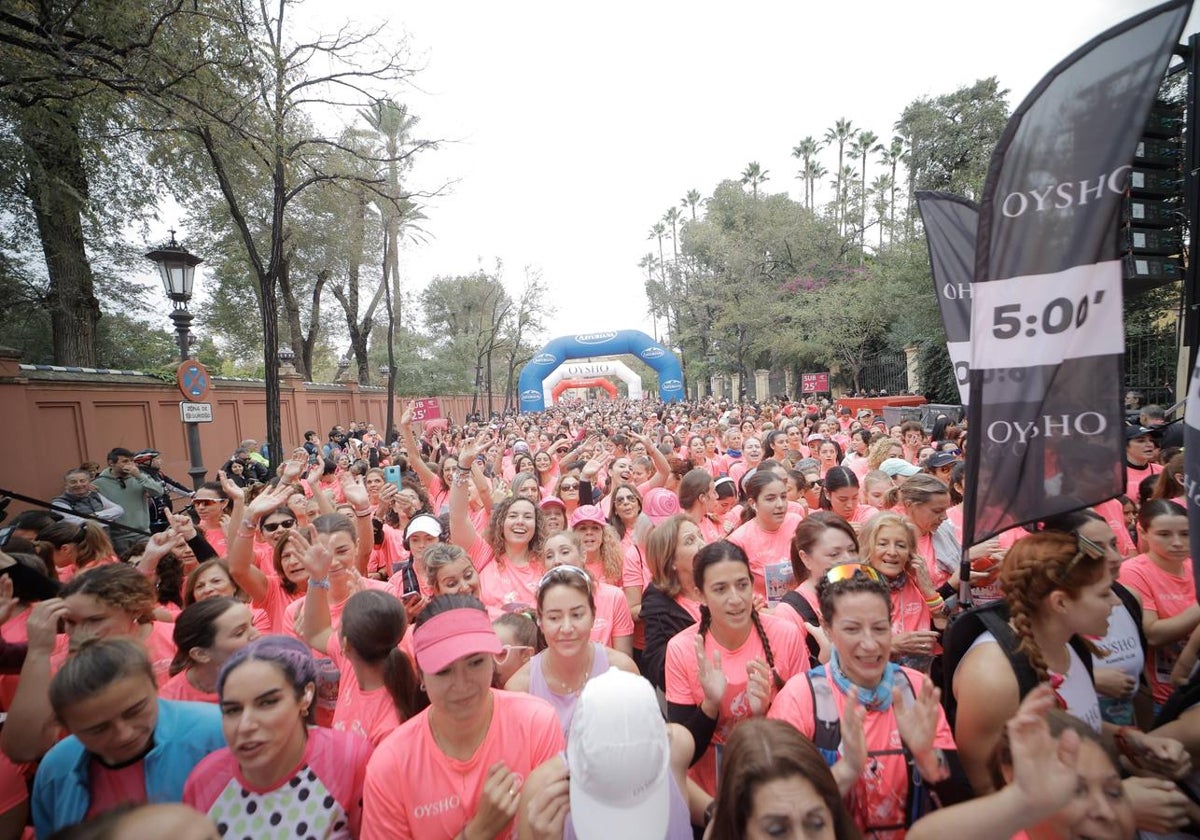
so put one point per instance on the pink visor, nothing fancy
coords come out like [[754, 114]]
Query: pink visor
[[452, 635]]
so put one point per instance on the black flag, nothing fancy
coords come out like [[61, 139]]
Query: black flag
[[951, 223], [1047, 340]]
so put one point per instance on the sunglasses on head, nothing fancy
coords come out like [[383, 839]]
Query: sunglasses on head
[[848, 571], [509, 652], [272, 527]]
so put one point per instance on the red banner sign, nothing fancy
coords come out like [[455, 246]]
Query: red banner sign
[[429, 409], [814, 383]]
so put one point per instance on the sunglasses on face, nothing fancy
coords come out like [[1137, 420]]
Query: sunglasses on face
[[569, 487], [847, 571], [206, 501], [272, 527]]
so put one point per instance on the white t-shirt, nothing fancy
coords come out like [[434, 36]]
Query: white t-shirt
[[1077, 689]]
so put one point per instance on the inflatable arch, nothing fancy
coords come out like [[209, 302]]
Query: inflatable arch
[[591, 370], [585, 345], [597, 382]]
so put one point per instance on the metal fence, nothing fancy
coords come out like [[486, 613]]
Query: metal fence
[[886, 371], [1150, 365]]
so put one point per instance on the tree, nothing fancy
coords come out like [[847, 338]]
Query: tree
[[246, 118], [841, 132], [806, 151], [891, 157], [862, 146], [881, 188], [754, 175], [691, 199], [522, 326], [466, 313]]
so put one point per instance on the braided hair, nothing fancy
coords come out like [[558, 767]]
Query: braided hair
[[1036, 566], [724, 551]]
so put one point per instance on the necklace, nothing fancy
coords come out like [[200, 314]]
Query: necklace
[[576, 685]]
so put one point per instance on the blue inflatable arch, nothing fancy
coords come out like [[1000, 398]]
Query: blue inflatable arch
[[566, 347]]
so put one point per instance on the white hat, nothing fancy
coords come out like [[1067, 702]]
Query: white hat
[[620, 761]]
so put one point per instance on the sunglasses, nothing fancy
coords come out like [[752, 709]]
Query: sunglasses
[[207, 502], [272, 527], [509, 652], [568, 487], [848, 571]]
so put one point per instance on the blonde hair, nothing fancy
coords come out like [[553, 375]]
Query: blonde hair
[[877, 523], [880, 451]]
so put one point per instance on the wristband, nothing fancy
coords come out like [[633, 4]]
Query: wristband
[[361, 513], [1122, 742], [323, 583]]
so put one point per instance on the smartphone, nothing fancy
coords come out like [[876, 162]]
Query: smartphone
[[392, 475]]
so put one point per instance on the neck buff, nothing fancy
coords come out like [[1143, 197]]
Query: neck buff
[[877, 699]]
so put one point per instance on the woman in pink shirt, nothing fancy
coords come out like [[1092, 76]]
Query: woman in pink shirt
[[212, 579], [840, 493], [829, 454], [698, 500], [600, 543], [567, 611], [730, 665], [462, 760], [212, 507], [766, 532], [278, 777], [612, 623], [862, 687], [821, 542], [672, 601], [206, 635], [918, 611], [1161, 579]]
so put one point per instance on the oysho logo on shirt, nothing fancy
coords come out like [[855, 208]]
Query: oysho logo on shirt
[[433, 809]]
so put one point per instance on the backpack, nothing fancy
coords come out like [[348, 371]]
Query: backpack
[[796, 601], [967, 626], [827, 736]]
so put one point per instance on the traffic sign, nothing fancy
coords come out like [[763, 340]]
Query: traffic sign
[[193, 380], [195, 412]]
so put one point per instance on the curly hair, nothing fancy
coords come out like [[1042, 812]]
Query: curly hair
[[611, 557], [880, 451], [118, 585], [494, 535], [1036, 566], [615, 520]]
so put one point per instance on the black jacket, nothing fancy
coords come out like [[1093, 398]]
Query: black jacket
[[662, 618]]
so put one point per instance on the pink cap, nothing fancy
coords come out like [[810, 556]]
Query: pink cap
[[660, 504], [552, 501], [588, 513], [452, 635]]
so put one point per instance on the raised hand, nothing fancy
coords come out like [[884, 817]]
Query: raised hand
[[231, 488], [313, 555], [1044, 768], [758, 686], [292, 469], [711, 677], [268, 500], [41, 627], [918, 723], [354, 491]]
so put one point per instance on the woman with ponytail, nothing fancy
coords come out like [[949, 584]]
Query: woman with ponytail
[[378, 687], [730, 665], [766, 533], [840, 493]]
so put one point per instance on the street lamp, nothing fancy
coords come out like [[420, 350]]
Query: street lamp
[[384, 370], [177, 269]]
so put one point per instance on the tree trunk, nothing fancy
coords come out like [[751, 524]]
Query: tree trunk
[[291, 311], [58, 190]]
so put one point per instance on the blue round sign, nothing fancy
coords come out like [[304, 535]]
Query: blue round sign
[[193, 380]]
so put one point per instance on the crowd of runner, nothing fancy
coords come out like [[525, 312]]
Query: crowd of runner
[[610, 619]]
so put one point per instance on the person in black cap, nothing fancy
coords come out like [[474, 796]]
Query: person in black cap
[[1141, 448]]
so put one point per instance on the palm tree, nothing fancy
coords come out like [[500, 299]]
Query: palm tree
[[691, 200], [881, 187], [862, 146], [754, 175], [806, 151], [891, 156], [672, 218], [816, 172], [842, 131]]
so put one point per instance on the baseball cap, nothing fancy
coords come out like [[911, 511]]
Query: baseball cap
[[898, 466], [452, 635], [1132, 432], [552, 501], [423, 523], [940, 459], [619, 761], [660, 504], [588, 513]]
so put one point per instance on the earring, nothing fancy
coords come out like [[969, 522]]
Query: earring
[[422, 684]]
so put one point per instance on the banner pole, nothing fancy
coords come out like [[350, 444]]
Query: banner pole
[[1191, 275]]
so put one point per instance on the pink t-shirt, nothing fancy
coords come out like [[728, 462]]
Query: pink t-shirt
[[507, 587], [634, 571], [320, 798], [388, 554], [766, 548], [180, 688], [368, 714], [216, 538], [880, 795], [613, 619], [414, 790], [113, 787], [1114, 515], [683, 680], [909, 611], [275, 605], [1166, 595]]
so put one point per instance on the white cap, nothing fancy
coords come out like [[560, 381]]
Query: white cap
[[620, 761]]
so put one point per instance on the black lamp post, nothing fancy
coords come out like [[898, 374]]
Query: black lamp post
[[177, 268]]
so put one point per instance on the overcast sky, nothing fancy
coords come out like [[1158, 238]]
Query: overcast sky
[[572, 128]]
